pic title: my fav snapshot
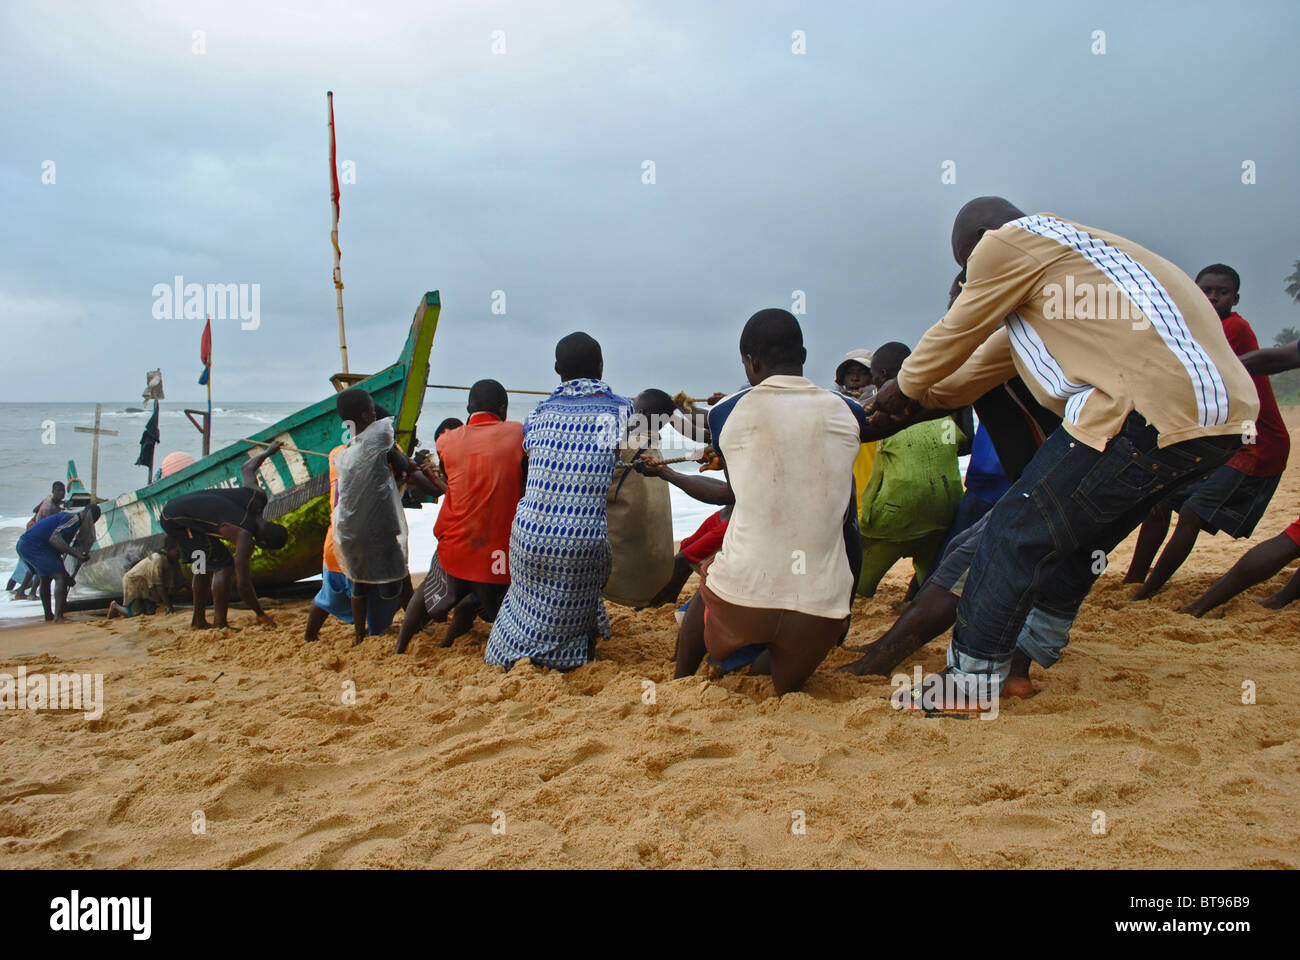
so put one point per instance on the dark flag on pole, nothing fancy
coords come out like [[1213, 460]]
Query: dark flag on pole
[[148, 440]]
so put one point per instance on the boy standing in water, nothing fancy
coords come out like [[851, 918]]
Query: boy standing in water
[[24, 578], [47, 542]]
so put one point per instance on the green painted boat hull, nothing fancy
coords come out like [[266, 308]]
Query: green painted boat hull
[[296, 479]]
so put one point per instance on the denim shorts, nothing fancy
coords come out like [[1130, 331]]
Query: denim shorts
[[1072, 505], [953, 569], [336, 591], [1227, 500]]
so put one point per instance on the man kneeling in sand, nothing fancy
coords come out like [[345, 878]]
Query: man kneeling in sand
[[151, 583], [781, 583], [485, 468]]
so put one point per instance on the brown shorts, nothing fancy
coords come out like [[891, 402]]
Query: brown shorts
[[797, 641]]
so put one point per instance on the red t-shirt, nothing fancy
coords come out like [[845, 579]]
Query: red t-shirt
[[1267, 456], [483, 461]]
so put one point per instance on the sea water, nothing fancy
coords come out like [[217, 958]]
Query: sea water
[[29, 465]]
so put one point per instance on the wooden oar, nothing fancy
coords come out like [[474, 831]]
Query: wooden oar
[[285, 446], [448, 386]]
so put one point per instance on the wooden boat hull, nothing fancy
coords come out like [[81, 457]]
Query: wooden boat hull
[[297, 482]]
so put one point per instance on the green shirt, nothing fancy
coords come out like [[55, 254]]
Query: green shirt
[[915, 485]]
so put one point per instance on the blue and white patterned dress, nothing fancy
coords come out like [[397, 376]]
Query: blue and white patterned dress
[[559, 542]]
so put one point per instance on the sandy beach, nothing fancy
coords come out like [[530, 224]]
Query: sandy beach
[[443, 761]]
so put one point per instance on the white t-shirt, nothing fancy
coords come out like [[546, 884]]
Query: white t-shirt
[[789, 447]]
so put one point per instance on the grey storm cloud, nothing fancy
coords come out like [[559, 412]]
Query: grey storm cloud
[[522, 172]]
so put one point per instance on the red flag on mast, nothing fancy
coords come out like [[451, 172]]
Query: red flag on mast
[[205, 351], [334, 163]]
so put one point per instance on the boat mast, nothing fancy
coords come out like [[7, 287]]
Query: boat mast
[[207, 420], [205, 355], [334, 233]]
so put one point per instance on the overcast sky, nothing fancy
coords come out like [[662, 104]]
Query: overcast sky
[[522, 172]]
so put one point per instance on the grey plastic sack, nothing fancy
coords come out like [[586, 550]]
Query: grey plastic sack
[[369, 523]]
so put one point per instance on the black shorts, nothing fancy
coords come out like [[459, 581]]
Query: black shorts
[[194, 519], [214, 550], [441, 591], [1226, 500]]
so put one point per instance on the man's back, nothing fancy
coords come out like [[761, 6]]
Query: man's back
[[66, 524], [571, 439], [483, 461], [789, 447], [915, 485], [209, 510], [1097, 326]]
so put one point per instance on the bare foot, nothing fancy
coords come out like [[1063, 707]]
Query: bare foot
[[462, 619], [865, 666], [1018, 687], [1191, 610], [1274, 602], [1017, 683], [1141, 593]]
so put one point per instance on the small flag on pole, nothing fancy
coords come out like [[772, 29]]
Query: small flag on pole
[[148, 440], [205, 351]]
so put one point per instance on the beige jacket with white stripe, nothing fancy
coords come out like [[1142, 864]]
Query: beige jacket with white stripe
[[1096, 325]]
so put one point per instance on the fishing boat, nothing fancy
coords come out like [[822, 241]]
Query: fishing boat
[[296, 478]]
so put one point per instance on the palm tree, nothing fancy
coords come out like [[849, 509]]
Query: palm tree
[[1293, 283]]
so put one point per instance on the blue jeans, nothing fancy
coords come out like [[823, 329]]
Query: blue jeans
[[1046, 540], [969, 511]]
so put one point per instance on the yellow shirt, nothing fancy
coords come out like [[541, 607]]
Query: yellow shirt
[[862, 467]]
